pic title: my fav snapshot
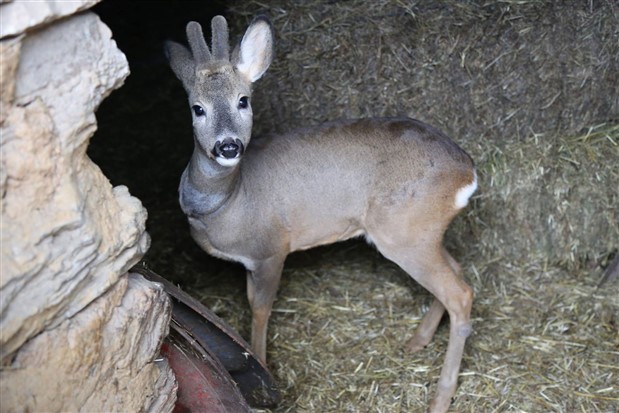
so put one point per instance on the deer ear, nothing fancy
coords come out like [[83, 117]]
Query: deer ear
[[253, 57], [181, 62]]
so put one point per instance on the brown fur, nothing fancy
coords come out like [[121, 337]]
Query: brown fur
[[393, 181]]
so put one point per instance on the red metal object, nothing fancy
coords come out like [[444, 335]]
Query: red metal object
[[204, 386], [218, 345]]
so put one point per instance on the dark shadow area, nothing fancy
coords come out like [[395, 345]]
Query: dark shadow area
[[144, 138]]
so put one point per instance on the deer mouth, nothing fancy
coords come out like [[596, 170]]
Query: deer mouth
[[228, 152]]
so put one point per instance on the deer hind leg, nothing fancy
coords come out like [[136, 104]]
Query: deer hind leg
[[430, 321], [427, 262], [262, 284]]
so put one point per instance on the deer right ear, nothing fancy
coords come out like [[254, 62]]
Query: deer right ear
[[181, 62], [253, 57]]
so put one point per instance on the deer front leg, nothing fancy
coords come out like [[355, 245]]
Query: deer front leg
[[262, 284]]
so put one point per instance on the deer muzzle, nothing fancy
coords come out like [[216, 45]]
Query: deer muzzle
[[228, 149]]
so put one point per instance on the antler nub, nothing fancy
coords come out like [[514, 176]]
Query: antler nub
[[220, 44], [199, 49]]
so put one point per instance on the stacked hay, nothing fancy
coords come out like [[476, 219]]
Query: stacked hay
[[529, 88]]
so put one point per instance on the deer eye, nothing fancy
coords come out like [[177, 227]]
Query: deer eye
[[198, 110], [243, 102]]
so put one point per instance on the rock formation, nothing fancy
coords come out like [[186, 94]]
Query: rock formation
[[77, 332]]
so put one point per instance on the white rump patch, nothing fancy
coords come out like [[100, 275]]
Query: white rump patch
[[464, 193], [227, 162]]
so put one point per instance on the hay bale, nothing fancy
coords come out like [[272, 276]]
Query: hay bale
[[552, 199], [475, 69], [519, 84], [563, 197]]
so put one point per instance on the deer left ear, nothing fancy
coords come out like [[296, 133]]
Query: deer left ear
[[255, 53], [181, 62]]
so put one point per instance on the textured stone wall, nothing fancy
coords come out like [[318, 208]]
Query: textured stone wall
[[77, 332]]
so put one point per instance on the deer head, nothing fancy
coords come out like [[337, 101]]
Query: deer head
[[218, 85]]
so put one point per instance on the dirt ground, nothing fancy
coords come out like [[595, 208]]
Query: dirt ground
[[545, 337]]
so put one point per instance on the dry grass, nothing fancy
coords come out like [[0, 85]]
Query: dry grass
[[545, 339]]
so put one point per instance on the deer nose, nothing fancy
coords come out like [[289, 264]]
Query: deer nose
[[228, 148]]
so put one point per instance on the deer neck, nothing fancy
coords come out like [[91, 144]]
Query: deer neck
[[206, 186]]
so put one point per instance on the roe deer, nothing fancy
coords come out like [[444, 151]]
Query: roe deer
[[396, 181]]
